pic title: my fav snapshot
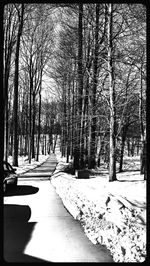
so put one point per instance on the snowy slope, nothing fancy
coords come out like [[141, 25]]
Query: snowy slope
[[111, 213]]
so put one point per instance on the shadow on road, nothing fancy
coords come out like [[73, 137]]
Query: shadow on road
[[17, 233], [22, 190]]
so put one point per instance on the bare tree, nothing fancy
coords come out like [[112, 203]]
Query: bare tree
[[20, 27], [10, 25], [92, 159], [112, 164]]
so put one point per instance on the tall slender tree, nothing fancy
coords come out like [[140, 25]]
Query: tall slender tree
[[77, 148], [92, 161], [10, 25], [112, 163], [16, 76]]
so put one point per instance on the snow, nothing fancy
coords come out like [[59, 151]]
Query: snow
[[111, 213], [24, 165], [129, 184]]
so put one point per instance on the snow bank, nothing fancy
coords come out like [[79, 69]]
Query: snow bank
[[24, 165], [111, 213]]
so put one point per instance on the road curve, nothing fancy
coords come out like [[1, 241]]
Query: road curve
[[38, 228]]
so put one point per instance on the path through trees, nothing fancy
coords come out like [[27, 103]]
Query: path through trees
[[76, 72]]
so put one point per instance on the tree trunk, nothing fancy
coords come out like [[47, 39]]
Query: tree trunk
[[101, 149], [45, 143], [39, 127], [6, 135], [21, 143], [123, 138], [68, 124], [15, 150], [64, 131], [33, 127], [42, 145], [72, 119], [55, 141], [11, 143], [8, 48], [95, 73], [82, 131], [30, 119], [80, 84], [6, 124], [143, 134], [112, 163], [145, 158], [87, 105], [89, 130], [2, 100], [77, 151]]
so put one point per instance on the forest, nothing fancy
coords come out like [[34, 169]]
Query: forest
[[77, 73]]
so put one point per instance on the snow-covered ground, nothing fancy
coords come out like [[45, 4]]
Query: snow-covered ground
[[111, 213], [24, 165]]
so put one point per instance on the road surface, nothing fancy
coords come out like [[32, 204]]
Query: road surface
[[38, 228]]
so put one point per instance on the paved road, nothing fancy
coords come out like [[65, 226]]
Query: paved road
[[38, 228]]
